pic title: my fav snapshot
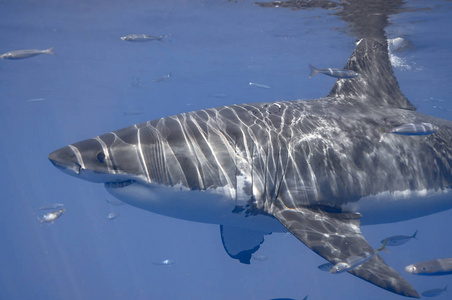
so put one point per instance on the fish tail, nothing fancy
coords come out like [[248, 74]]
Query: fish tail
[[50, 51], [414, 235], [383, 247], [313, 71], [41, 221]]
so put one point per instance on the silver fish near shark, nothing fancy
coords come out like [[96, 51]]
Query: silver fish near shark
[[259, 85], [415, 129], [141, 38], [412, 129], [435, 267], [160, 79], [337, 73], [355, 261], [20, 54], [112, 216], [166, 262], [52, 216], [314, 168], [398, 240]]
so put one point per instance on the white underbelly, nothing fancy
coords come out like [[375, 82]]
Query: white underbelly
[[217, 208], [197, 206], [400, 206]]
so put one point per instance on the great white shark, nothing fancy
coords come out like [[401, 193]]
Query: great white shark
[[316, 168]]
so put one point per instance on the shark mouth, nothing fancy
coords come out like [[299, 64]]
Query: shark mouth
[[119, 184]]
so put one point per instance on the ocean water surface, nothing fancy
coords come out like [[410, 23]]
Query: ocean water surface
[[98, 83]]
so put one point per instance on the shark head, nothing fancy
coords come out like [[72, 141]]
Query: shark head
[[102, 159]]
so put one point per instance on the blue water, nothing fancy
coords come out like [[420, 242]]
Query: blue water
[[97, 83]]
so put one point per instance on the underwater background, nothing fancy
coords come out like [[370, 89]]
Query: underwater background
[[96, 83]]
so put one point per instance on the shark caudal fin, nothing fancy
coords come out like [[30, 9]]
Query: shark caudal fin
[[376, 84]]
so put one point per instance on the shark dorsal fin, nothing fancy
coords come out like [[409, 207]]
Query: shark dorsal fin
[[376, 83]]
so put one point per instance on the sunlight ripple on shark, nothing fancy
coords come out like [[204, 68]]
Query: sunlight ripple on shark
[[315, 168]]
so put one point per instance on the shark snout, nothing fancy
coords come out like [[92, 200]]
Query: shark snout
[[66, 160]]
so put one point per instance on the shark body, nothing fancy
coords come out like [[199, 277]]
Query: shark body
[[316, 168]]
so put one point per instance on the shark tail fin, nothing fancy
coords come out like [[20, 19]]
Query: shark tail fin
[[376, 84], [414, 235], [313, 71]]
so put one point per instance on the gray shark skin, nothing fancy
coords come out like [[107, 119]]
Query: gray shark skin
[[315, 166]]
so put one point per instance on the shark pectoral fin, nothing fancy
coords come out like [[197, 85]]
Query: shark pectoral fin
[[376, 271], [241, 243], [337, 238]]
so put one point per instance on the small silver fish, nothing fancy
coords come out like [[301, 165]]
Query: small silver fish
[[337, 73], [441, 266], [415, 129], [326, 267], [141, 38], [36, 100], [434, 292], [398, 240], [19, 54], [166, 262], [412, 129], [52, 216], [163, 78], [52, 206], [112, 216], [262, 86], [354, 261]]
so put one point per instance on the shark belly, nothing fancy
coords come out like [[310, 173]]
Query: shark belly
[[206, 206], [390, 207]]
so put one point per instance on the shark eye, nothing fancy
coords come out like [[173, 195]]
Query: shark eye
[[101, 157]]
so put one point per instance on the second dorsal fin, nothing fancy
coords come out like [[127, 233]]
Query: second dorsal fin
[[376, 83]]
